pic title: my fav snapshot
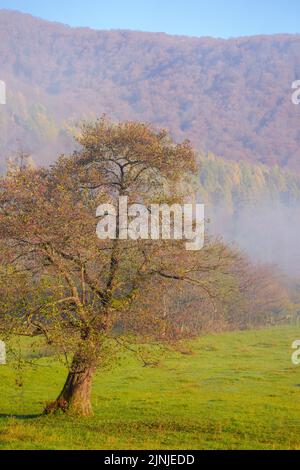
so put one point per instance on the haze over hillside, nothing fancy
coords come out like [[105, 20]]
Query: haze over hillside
[[231, 97]]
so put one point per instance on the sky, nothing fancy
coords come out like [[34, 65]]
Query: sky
[[217, 18]]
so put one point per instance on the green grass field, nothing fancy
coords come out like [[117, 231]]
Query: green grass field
[[233, 391]]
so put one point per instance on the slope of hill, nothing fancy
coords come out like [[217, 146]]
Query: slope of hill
[[232, 97]]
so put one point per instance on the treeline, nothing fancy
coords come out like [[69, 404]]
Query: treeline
[[236, 185]]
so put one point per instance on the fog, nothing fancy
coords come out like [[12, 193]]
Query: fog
[[268, 234]]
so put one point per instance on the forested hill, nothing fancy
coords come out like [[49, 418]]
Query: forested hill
[[230, 97]]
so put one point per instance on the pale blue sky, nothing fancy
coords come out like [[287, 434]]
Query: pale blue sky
[[219, 18]]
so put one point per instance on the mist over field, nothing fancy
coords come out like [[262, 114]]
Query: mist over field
[[268, 233]]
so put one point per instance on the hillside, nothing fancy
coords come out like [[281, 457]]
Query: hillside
[[231, 97]]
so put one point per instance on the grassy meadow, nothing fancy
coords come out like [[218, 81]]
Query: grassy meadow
[[227, 391]]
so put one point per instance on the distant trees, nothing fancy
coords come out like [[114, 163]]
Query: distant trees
[[249, 296], [82, 294], [238, 186]]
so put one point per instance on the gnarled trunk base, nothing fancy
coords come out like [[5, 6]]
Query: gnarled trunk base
[[75, 397]]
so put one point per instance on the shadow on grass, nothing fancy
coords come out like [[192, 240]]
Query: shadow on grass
[[21, 417]]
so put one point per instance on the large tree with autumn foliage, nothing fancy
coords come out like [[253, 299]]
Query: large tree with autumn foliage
[[80, 293]]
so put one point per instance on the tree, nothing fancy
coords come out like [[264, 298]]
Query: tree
[[79, 292]]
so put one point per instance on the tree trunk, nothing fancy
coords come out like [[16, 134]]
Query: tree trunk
[[75, 397]]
